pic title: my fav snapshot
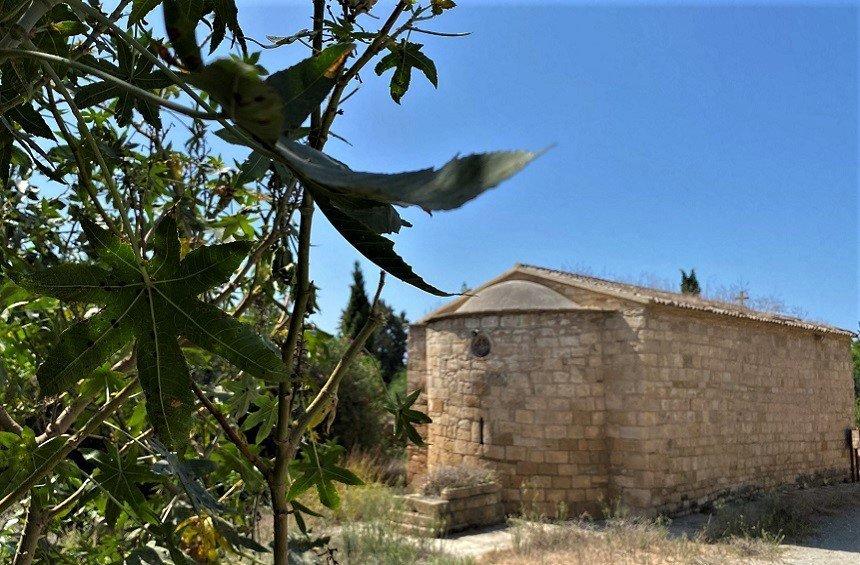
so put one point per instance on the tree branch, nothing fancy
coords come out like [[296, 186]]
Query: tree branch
[[71, 443], [322, 402], [26, 22], [67, 417], [232, 434], [34, 525], [137, 91], [375, 47], [8, 424]]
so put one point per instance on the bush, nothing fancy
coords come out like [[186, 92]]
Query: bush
[[361, 421], [397, 386], [440, 478]]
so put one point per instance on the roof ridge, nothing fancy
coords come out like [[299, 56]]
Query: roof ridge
[[605, 280], [688, 301]]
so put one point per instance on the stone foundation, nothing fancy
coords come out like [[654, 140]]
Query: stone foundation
[[455, 509]]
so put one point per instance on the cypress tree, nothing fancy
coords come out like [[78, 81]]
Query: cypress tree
[[689, 283], [357, 309], [391, 343]]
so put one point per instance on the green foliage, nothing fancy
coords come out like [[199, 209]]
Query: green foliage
[[403, 57], [388, 344], [120, 476], [305, 84], [405, 418], [263, 418], [391, 342], [20, 456], [318, 467], [157, 292], [689, 283], [133, 70], [357, 310], [360, 418], [151, 304]]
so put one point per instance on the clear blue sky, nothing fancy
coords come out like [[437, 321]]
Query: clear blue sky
[[720, 138]]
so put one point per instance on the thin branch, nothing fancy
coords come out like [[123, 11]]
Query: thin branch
[[71, 443], [137, 91], [26, 22], [34, 525], [107, 174], [375, 47], [252, 260], [68, 416], [322, 402], [66, 503], [8, 424], [232, 433], [439, 33]]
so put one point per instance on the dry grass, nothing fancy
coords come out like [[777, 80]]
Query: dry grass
[[440, 478], [378, 543], [622, 541]]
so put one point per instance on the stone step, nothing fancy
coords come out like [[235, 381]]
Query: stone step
[[416, 518], [418, 531]]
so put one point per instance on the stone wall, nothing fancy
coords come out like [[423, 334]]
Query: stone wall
[[720, 404], [532, 409], [659, 407], [416, 379]]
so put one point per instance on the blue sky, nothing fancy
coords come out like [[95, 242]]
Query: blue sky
[[720, 138]]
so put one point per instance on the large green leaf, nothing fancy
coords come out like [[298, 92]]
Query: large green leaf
[[461, 179], [226, 17], [72, 282], [377, 216], [243, 95], [31, 121], [208, 266], [108, 248], [304, 86], [153, 303], [210, 328], [376, 248], [180, 21], [165, 381], [87, 345]]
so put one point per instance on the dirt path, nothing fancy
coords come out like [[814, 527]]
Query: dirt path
[[837, 542]]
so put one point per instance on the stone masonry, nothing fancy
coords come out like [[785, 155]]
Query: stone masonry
[[595, 391]]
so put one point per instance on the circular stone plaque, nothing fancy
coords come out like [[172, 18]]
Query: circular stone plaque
[[480, 346]]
